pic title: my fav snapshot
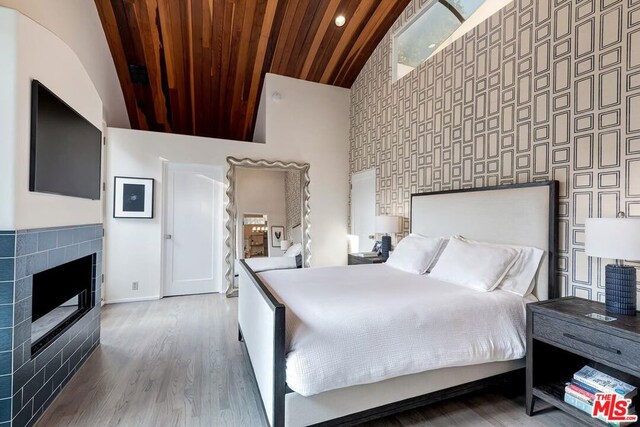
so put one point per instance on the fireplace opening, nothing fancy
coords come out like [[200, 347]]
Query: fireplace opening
[[61, 296]]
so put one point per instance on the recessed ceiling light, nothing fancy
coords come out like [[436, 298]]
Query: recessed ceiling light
[[432, 45], [340, 20]]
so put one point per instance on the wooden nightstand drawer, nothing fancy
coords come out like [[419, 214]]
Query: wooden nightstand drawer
[[562, 339], [588, 342]]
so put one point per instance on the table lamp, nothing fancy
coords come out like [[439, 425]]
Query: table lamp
[[353, 243], [285, 244], [619, 239], [386, 225]]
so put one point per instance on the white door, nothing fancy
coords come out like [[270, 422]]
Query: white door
[[193, 230], [363, 208]]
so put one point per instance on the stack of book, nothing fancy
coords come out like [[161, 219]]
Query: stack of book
[[587, 382]]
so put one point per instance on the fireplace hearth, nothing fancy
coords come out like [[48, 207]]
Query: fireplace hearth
[[50, 286]]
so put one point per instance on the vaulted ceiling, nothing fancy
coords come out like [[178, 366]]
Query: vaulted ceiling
[[197, 67]]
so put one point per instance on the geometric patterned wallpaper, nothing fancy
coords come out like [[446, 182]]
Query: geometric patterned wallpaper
[[293, 201], [543, 89]]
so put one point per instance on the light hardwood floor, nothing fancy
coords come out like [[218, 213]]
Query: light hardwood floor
[[177, 362]]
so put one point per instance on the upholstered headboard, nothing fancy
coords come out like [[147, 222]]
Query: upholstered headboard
[[519, 214]]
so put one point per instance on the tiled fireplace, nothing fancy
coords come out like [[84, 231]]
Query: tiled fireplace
[[30, 378]]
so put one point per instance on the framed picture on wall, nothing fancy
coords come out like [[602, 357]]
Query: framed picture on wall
[[133, 197], [277, 235]]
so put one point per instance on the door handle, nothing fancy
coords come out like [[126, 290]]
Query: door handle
[[168, 236]]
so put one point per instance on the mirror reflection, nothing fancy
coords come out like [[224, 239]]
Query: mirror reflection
[[269, 215], [255, 230]]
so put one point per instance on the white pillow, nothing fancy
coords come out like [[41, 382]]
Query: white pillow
[[443, 246], [294, 250], [521, 277], [474, 265], [415, 253]]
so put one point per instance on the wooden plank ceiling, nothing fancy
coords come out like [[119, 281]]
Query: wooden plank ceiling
[[196, 67]]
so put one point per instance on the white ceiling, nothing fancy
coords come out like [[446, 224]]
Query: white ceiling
[[77, 23]]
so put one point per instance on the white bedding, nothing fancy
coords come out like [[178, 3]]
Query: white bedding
[[366, 323]]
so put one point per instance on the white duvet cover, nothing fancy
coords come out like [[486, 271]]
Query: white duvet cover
[[362, 324]]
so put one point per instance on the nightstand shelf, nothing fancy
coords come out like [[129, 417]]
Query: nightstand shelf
[[561, 339], [553, 394]]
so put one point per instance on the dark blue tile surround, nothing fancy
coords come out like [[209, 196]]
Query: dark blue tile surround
[[29, 384]]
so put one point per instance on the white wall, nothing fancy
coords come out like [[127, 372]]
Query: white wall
[[30, 51], [260, 130], [262, 191], [310, 124], [8, 113], [77, 24]]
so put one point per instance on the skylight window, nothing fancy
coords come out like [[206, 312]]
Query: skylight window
[[432, 27]]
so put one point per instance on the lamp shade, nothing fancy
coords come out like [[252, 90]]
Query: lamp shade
[[353, 243], [388, 224], [613, 238], [285, 244]]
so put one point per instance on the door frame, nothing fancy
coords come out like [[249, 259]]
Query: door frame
[[219, 222], [367, 173]]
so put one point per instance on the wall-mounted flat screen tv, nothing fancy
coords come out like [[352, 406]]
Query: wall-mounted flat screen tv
[[65, 148]]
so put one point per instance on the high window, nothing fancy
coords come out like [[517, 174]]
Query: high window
[[433, 28]]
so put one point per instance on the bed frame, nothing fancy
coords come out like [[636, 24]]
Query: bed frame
[[523, 214]]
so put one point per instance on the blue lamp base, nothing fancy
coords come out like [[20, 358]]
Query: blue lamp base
[[620, 290], [386, 246]]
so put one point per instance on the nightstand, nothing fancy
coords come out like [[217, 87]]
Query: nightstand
[[561, 339], [356, 260]]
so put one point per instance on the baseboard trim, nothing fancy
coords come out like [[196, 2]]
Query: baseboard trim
[[135, 299]]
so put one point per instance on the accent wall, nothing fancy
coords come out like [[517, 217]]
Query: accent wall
[[541, 90], [293, 198]]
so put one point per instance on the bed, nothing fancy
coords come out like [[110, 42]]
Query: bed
[[378, 307]]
